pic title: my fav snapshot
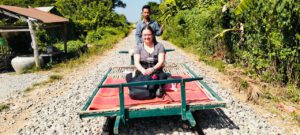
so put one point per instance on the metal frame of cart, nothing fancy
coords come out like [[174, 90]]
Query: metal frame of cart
[[122, 112]]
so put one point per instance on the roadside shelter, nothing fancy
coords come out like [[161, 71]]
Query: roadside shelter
[[33, 16]]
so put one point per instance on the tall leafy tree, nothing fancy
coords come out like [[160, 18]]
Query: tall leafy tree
[[91, 14], [155, 12], [243, 6], [26, 3], [262, 35], [118, 3], [170, 8]]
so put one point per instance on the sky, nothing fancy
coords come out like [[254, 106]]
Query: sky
[[133, 9]]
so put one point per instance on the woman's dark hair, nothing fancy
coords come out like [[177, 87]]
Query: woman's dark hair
[[147, 27]]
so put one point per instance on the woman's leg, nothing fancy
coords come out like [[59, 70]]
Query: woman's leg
[[160, 91], [129, 77]]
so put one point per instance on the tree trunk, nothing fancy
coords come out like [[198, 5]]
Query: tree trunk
[[34, 45]]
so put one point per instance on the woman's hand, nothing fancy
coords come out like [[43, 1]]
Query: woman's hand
[[144, 72], [149, 71]]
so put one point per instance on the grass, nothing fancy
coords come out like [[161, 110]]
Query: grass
[[293, 116], [31, 70], [3, 107], [292, 93], [220, 65], [55, 77], [276, 93], [269, 96], [289, 95], [52, 78], [296, 117], [243, 85], [29, 89]]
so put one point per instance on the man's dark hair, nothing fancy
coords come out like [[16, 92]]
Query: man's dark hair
[[146, 7]]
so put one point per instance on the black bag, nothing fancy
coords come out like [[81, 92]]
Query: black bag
[[141, 92]]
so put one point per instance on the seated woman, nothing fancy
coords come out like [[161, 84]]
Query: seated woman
[[149, 58]]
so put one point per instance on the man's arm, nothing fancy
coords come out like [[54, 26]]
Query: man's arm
[[158, 30], [138, 34]]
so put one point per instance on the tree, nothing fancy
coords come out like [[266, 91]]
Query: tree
[[26, 3], [89, 15], [155, 12], [118, 3], [170, 8], [243, 6]]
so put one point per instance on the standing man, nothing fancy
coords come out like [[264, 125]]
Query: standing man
[[146, 12]]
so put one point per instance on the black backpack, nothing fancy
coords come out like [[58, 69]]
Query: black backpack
[[141, 92]]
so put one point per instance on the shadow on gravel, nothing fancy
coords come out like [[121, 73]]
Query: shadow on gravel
[[214, 118], [151, 126]]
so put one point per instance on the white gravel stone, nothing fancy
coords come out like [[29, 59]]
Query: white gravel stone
[[12, 83]]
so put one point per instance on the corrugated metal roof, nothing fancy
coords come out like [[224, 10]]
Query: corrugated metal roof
[[35, 14]]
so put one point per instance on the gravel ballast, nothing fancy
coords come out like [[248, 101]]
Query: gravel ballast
[[59, 114], [11, 82]]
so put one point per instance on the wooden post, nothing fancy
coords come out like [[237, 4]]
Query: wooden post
[[65, 37], [34, 45]]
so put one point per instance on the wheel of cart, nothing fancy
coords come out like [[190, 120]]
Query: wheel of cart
[[185, 93]]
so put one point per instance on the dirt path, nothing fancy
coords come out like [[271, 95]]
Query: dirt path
[[52, 109]]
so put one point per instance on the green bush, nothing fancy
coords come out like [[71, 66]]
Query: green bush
[[47, 37], [73, 47], [292, 93], [102, 33], [264, 37], [195, 29]]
